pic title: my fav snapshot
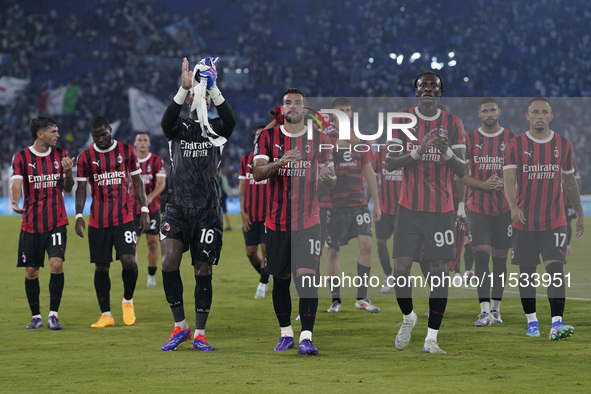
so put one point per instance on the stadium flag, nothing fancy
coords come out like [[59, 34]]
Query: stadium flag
[[60, 101], [10, 87], [146, 112], [114, 128]]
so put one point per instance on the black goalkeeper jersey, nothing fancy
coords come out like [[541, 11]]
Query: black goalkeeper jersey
[[194, 159]]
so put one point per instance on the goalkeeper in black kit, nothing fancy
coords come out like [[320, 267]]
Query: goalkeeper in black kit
[[192, 219]]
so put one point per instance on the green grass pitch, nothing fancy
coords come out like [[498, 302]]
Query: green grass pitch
[[357, 352]]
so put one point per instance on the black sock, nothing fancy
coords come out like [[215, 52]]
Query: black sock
[[56, 287], [203, 296], [282, 301], [386, 266], [436, 310], [264, 277], [404, 294], [308, 308], [481, 262], [437, 304], [173, 289], [152, 270], [129, 282], [308, 301], [468, 257], [363, 273], [32, 289], [102, 286], [527, 293], [556, 294], [499, 272]]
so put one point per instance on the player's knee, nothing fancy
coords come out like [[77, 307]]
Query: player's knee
[[128, 262], [365, 246], [481, 248], [56, 266], [152, 242], [402, 266], [32, 273], [439, 267], [202, 268], [499, 253], [251, 252], [305, 286], [333, 253], [102, 267]]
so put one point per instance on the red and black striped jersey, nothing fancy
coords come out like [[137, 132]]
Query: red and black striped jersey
[[152, 166], [43, 184], [255, 199], [427, 184], [292, 191], [485, 158], [540, 165], [108, 173], [348, 167], [390, 183]]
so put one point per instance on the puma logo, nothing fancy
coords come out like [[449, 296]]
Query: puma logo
[[207, 252], [96, 163], [249, 165], [280, 147], [34, 165], [186, 125], [478, 146], [527, 153]]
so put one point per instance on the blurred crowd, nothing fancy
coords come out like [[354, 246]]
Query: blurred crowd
[[372, 48]]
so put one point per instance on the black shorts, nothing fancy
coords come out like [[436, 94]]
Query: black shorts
[[200, 230], [286, 251], [488, 230], [154, 223], [102, 240], [32, 247], [385, 226], [348, 223], [256, 235], [433, 231], [529, 245]]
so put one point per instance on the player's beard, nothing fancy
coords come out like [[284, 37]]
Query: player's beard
[[297, 118], [490, 122]]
